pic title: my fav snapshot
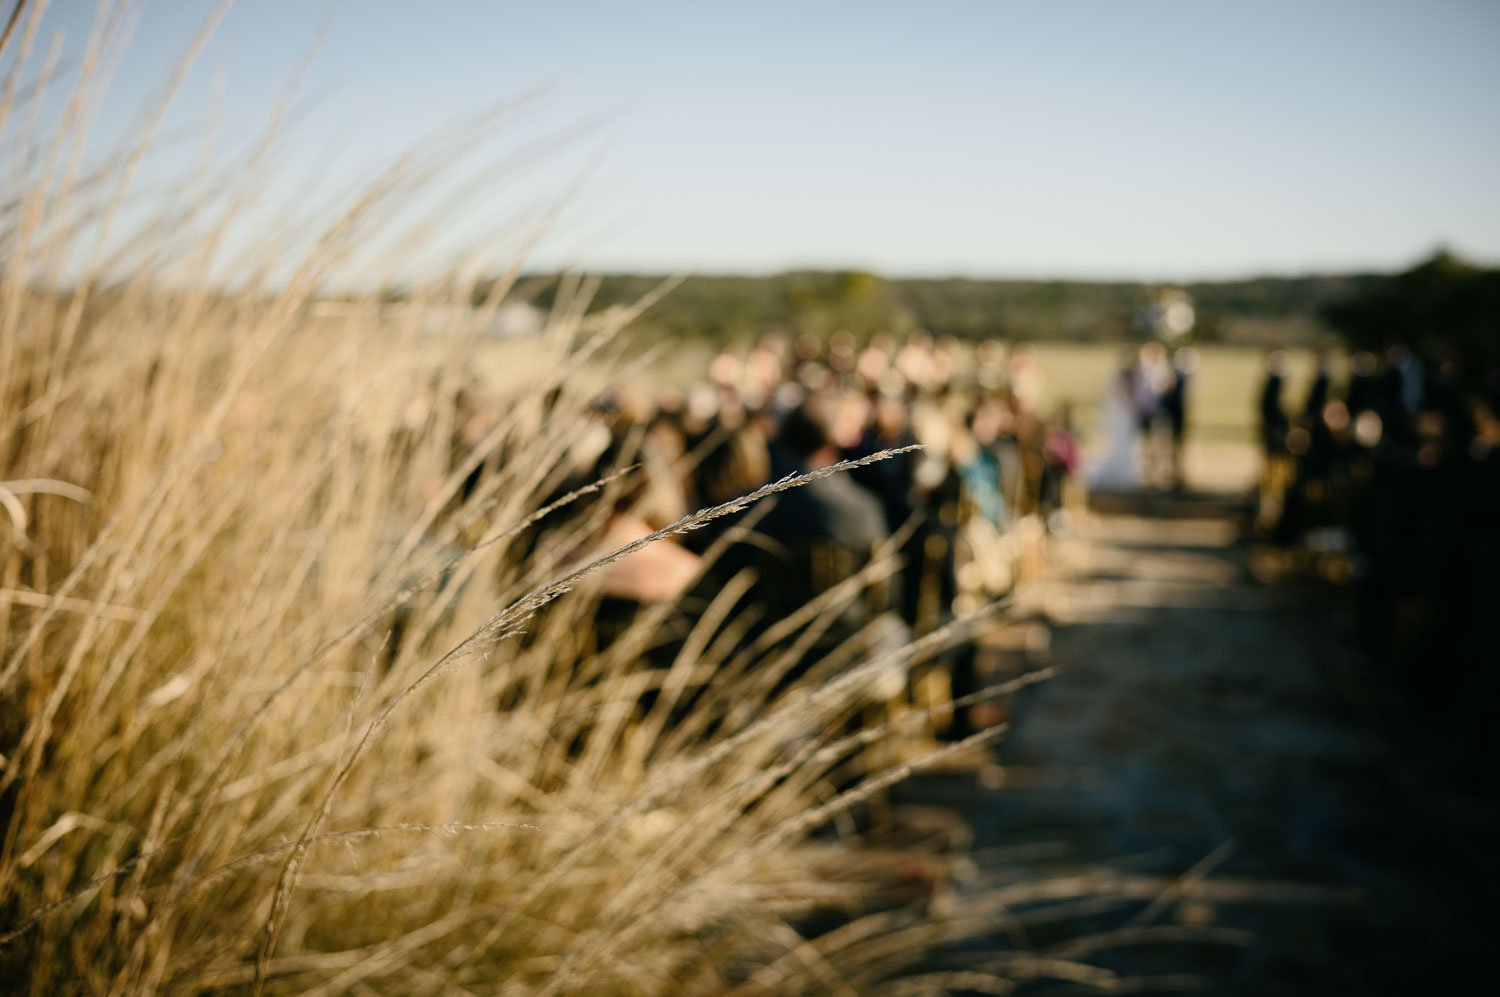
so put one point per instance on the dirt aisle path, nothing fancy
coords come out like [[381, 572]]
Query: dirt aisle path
[[1199, 718]]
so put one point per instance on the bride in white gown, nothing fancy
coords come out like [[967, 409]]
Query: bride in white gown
[[1116, 470]]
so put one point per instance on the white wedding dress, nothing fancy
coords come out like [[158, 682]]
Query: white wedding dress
[[1116, 469]]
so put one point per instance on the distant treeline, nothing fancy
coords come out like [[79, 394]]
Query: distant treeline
[[1445, 308], [1262, 311]]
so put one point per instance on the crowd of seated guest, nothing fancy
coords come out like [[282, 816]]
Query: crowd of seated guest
[[859, 561], [1398, 474]]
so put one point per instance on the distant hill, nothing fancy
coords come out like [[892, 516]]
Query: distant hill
[[1259, 311]]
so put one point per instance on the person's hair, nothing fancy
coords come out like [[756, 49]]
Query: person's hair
[[652, 490], [738, 465], [808, 428]]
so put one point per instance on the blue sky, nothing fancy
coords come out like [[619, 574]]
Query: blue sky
[[1167, 139]]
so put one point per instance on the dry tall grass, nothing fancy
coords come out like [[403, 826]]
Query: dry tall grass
[[218, 770]]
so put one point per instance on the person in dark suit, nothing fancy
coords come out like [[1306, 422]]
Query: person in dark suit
[[832, 510], [1273, 420], [891, 481], [1363, 393], [1318, 391], [1174, 406], [1403, 389]]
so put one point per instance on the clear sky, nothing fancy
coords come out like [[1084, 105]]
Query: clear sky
[[1166, 139]]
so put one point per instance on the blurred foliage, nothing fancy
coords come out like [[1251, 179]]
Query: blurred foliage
[[1260, 311], [1444, 308]]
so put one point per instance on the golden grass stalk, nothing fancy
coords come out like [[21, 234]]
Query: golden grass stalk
[[220, 767]]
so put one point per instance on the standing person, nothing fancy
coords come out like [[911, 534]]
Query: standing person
[[890, 480], [1273, 419], [1153, 381], [1119, 426], [1027, 382], [1174, 406], [1403, 390], [1278, 471], [1060, 449], [1363, 392], [1318, 391]]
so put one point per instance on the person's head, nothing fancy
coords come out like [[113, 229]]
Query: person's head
[[738, 465], [889, 417], [815, 377], [772, 343], [1186, 361], [872, 364], [1486, 427], [651, 492], [700, 408], [808, 432], [988, 421], [1335, 417], [843, 346], [665, 431], [852, 415], [945, 358], [727, 367], [990, 351], [807, 348]]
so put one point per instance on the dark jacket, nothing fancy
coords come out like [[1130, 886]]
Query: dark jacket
[[815, 537]]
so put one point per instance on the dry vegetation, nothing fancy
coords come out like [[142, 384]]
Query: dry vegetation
[[220, 767]]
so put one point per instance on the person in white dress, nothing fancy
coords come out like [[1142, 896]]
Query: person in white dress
[[1116, 469]]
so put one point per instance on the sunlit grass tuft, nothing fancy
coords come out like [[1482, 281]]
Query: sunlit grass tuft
[[224, 765]]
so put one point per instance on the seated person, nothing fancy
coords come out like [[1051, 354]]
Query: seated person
[[658, 573], [736, 464], [816, 535]]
